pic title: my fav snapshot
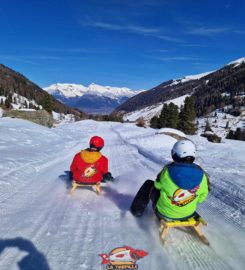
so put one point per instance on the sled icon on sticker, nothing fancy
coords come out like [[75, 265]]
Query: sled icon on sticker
[[122, 258]]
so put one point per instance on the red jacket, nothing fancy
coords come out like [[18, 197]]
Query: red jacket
[[89, 167]]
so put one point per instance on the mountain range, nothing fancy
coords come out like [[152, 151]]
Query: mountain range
[[212, 90], [94, 98]]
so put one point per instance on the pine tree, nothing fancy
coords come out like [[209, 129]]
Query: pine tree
[[114, 117], [105, 117], [169, 117], [238, 134], [163, 118], [230, 135], [1, 91], [47, 103], [26, 104], [154, 123], [8, 101], [207, 127], [188, 116], [173, 116]]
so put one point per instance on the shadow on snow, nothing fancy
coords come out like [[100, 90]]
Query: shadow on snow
[[66, 178], [33, 260]]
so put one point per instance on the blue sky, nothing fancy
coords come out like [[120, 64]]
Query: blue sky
[[137, 44]]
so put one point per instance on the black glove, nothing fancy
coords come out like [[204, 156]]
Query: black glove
[[107, 177], [70, 175]]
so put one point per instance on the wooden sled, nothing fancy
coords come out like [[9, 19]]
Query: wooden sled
[[194, 222], [75, 185]]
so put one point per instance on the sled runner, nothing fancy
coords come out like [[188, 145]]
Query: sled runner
[[194, 222], [75, 185]]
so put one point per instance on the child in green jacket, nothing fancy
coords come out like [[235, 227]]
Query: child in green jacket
[[179, 187]]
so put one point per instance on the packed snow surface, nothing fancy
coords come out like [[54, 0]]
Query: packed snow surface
[[42, 227]]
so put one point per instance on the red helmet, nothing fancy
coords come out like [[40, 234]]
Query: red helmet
[[96, 142]]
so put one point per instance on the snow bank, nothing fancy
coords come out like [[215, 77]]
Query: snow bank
[[171, 130], [148, 143]]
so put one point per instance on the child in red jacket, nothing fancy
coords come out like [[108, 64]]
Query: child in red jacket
[[89, 166]]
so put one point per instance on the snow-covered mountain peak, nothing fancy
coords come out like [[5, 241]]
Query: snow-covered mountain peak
[[195, 77], [70, 90], [237, 62], [190, 78], [109, 91], [66, 89], [93, 98]]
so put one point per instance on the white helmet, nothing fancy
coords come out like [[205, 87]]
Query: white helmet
[[183, 149]]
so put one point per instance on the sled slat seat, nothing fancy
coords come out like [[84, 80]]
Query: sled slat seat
[[194, 222], [76, 185]]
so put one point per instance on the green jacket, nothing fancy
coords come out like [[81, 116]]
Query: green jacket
[[182, 186]]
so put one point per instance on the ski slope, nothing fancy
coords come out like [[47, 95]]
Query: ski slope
[[44, 228]]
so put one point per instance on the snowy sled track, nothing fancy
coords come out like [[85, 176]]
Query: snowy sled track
[[71, 231], [192, 253]]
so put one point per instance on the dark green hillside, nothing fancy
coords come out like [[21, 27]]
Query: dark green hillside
[[14, 82], [217, 89]]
